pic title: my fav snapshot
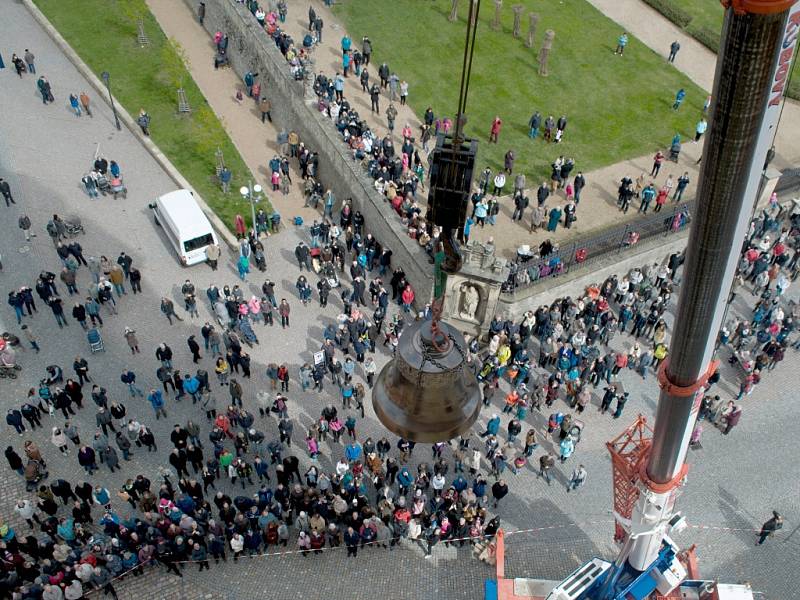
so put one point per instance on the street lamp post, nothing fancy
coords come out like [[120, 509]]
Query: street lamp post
[[252, 193], [106, 78]]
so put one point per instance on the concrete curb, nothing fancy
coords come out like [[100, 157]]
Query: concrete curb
[[100, 88]]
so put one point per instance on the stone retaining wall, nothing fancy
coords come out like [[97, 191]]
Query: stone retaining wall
[[574, 283], [249, 48]]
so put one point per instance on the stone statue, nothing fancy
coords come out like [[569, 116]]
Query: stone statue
[[453, 12], [547, 45], [469, 301], [533, 21], [498, 6], [517, 8]]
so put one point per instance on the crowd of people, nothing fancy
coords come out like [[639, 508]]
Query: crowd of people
[[89, 543], [398, 172], [372, 495], [397, 169], [377, 493]]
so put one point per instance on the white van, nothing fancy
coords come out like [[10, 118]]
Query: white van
[[185, 224]]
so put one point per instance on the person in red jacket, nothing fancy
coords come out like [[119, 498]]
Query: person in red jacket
[[658, 159], [240, 226], [495, 131], [283, 377], [661, 199], [407, 297]]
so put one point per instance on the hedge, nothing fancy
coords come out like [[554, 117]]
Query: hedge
[[793, 91], [677, 15], [710, 38]]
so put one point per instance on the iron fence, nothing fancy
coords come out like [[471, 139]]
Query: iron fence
[[526, 272]]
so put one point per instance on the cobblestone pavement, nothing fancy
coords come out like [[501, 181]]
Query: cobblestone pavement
[[734, 483], [256, 142]]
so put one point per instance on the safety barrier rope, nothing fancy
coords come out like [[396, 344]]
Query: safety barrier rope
[[245, 555]]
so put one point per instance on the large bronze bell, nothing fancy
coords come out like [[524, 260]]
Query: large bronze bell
[[426, 393]]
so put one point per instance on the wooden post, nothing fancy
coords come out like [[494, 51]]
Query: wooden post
[[533, 21], [547, 45], [498, 6], [517, 8], [453, 12]]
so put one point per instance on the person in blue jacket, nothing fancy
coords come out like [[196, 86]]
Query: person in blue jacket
[[353, 451], [492, 427], [191, 385], [156, 400], [679, 99], [404, 480]]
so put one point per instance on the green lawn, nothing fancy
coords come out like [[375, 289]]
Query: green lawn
[[706, 26], [103, 33], [617, 107]]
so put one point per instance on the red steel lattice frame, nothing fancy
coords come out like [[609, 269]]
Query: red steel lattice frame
[[628, 452]]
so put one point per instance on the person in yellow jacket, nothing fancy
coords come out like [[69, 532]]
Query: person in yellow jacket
[[659, 354], [504, 355]]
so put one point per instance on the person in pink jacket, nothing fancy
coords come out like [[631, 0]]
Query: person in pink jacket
[[311, 444], [254, 304]]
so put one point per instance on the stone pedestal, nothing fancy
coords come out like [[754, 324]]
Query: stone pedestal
[[533, 21], [472, 294], [517, 8], [453, 12], [544, 53], [498, 7]]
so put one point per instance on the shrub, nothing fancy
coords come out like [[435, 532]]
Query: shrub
[[675, 14]]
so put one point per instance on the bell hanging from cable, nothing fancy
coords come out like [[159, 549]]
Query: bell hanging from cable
[[426, 393]]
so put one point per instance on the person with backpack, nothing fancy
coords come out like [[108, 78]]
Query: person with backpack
[[143, 121], [24, 224], [769, 528], [75, 104], [52, 231]]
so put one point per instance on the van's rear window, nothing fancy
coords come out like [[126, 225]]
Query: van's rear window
[[198, 242]]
